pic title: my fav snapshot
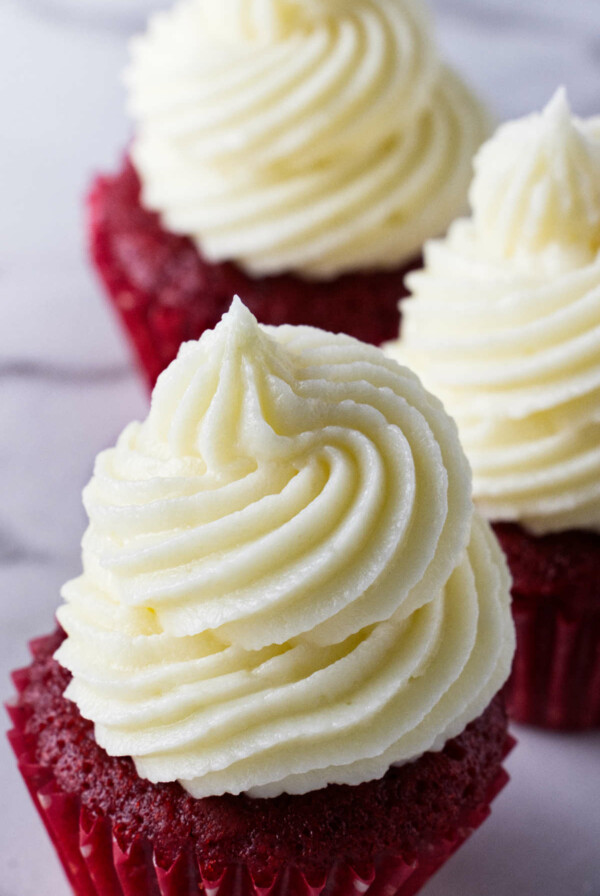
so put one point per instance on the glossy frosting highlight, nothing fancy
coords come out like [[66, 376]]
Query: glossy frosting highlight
[[284, 585], [504, 322], [316, 137]]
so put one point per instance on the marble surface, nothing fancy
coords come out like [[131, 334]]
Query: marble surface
[[67, 386]]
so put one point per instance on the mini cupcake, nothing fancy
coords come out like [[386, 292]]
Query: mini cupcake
[[296, 152], [280, 666], [504, 325]]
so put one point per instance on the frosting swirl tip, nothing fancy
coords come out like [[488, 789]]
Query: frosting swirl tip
[[537, 185]]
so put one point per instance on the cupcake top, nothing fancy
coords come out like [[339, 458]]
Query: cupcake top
[[307, 136], [284, 583], [504, 322]]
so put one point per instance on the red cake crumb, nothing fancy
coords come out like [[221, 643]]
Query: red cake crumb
[[165, 292], [409, 808]]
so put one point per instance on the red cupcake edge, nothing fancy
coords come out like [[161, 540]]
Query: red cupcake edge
[[164, 292], [555, 678]]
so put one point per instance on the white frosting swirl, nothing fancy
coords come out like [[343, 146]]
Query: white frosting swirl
[[504, 323], [283, 585], [314, 136]]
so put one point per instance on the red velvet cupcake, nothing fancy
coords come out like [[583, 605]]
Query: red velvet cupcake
[[504, 326], [295, 154], [280, 667]]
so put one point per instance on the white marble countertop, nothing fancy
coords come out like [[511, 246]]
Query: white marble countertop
[[67, 386]]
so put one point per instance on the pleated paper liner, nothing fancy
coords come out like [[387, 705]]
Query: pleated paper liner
[[555, 680], [97, 863]]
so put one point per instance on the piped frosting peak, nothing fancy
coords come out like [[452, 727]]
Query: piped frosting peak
[[265, 21], [537, 185]]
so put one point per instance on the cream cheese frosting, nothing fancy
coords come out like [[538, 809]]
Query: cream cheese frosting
[[311, 136], [504, 322], [284, 582]]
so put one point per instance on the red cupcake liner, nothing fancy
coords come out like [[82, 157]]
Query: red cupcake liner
[[165, 292], [96, 862], [555, 679]]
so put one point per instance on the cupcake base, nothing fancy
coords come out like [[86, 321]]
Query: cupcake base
[[555, 680], [119, 835], [165, 292]]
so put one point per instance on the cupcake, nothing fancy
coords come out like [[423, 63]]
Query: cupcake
[[504, 325], [296, 152], [280, 666]]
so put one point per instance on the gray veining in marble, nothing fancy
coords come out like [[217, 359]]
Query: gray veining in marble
[[67, 386]]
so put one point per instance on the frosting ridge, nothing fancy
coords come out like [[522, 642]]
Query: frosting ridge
[[283, 580], [504, 322], [316, 137]]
